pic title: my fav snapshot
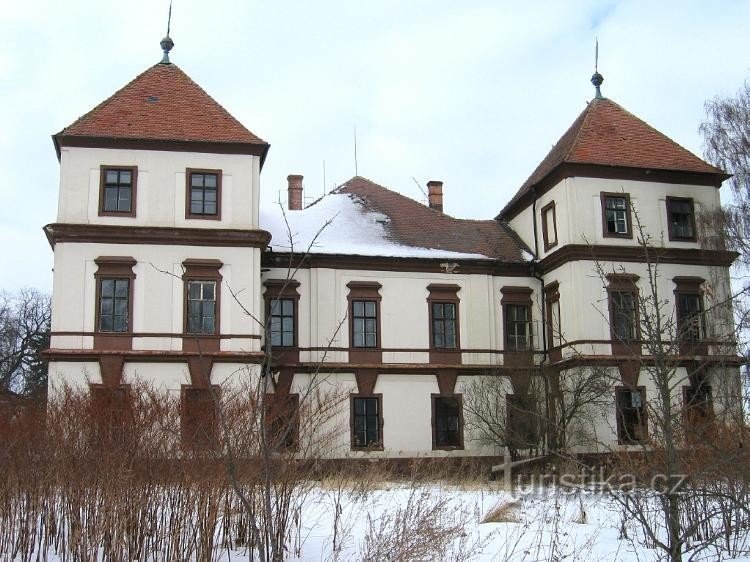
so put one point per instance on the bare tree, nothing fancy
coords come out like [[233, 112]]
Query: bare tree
[[24, 335]]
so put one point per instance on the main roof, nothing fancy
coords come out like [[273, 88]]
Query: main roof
[[371, 220], [605, 134], [162, 105]]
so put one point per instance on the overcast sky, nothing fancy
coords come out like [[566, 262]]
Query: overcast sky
[[473, 93]]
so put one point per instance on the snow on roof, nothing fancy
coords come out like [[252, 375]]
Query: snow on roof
[[352, 230]]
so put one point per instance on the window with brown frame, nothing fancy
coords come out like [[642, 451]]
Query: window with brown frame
[[549, 226], [203, 194], [698, 400], [202, 282], [117, 191], [199, 422], [114, 301], [689, 309], [623, 314], [616, 221], [447, 422], [552, 300], [282, 421], [522, 421], [364, 321], [367, 421], [111, 414], [681, 219], [632, 426]]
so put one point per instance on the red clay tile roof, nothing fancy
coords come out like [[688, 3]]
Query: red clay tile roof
[[413, 224], [605, 134], [162, 104]]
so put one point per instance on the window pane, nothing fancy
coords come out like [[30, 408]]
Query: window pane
[[209, 180], [207, 309], [123, 203], [209, 325], [437, 310], [125, 177], [287, 307], [370, 309], [110, 198], [287, 339], [359, 406], [108, 287], [359, 308], [359, 339], [209, 195], [370, 325], [450, 310], [288, 324], [209, 290], [196, 180], [371, 340], [194, 290], [105, 323], [209, 208], [120, 324], [107, 307], [359, 325], [196, 208], [121, 307], [275, 308], [121, 287]]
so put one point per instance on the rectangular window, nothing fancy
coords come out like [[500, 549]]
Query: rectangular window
[[281, 313], [365, 323], [203, 194], [517, 326], [201, 307], [616, 215], [446, 415], [681, 217], [198, 417], [698, 405], [623, 316], [444, 325], [522, 421], [549, 226], [282, 421], [117, 191], [366, 422], [114, 304], [690, 316], [631, 415]]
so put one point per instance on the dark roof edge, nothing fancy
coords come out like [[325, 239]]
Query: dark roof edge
[[572, 169]]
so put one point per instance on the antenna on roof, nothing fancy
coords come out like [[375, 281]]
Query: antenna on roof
[[597, 78], [167, 43], [356, 169], [420, 187]]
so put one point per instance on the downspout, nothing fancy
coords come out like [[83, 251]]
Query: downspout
[[535, 274]]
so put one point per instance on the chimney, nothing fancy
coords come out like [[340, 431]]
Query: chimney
[[295, 192], [435, 195]]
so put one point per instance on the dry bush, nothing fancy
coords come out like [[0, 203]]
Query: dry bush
[[504, 512]]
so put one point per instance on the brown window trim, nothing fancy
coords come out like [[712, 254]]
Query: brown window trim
[[190, 441], [443, 293], [201, 270], [623, 283], [365, 291], [644, 419], [670, 230], [199, 216], [114, 267], [545, 229], [284, 407], [685, 285], [460, 446], [133, 191], [552, 296], [628, 212], [517, 296], [112, 414], [379, 446], [283, 289]]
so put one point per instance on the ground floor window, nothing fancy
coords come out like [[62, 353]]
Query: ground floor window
[[631, 415], [366, 422], [282, 421], [447, 423], [199, 418]]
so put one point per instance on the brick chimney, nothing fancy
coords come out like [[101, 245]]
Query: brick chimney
[[295, 192], [435, 195]]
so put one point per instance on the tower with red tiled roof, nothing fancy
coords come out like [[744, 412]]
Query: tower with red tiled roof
[[157, 219]]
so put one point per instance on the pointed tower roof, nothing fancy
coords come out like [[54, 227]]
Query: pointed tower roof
[[608, 141], [162, 109]]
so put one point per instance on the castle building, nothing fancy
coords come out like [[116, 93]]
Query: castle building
[[163, 261]]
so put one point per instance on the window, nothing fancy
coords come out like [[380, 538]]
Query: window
[[113, 322], [111, 414], [203, 194], [202, 282], [201, 307], [522, 421], [366, 422], [447, 423], [681, 219], [282, 420], [444, 325], [623, 316], [281, 314], [114, 304], [552, 299], [616, 215], [549, 226], [518, 326], [198, 417], [365, 323], [117, 191], [698, 405], [690, 316], [631, 415]]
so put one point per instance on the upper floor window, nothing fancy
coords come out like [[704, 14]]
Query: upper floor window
[[281, 315], [364, 323], [616, 215], [518, 326], [201, 307], [114, 304], [203, 194], [549, 225], [681, 219], [444, 325], [117, 191], [623, 315]]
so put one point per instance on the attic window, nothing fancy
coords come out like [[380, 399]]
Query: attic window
[[152, 99]]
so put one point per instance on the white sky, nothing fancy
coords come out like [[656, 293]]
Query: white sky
[[473, 93]]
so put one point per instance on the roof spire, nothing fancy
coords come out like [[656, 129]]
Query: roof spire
[[167, 43], [597, 78]]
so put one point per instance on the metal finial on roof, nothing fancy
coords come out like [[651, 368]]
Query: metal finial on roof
[[597, 78], [167, 43]]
